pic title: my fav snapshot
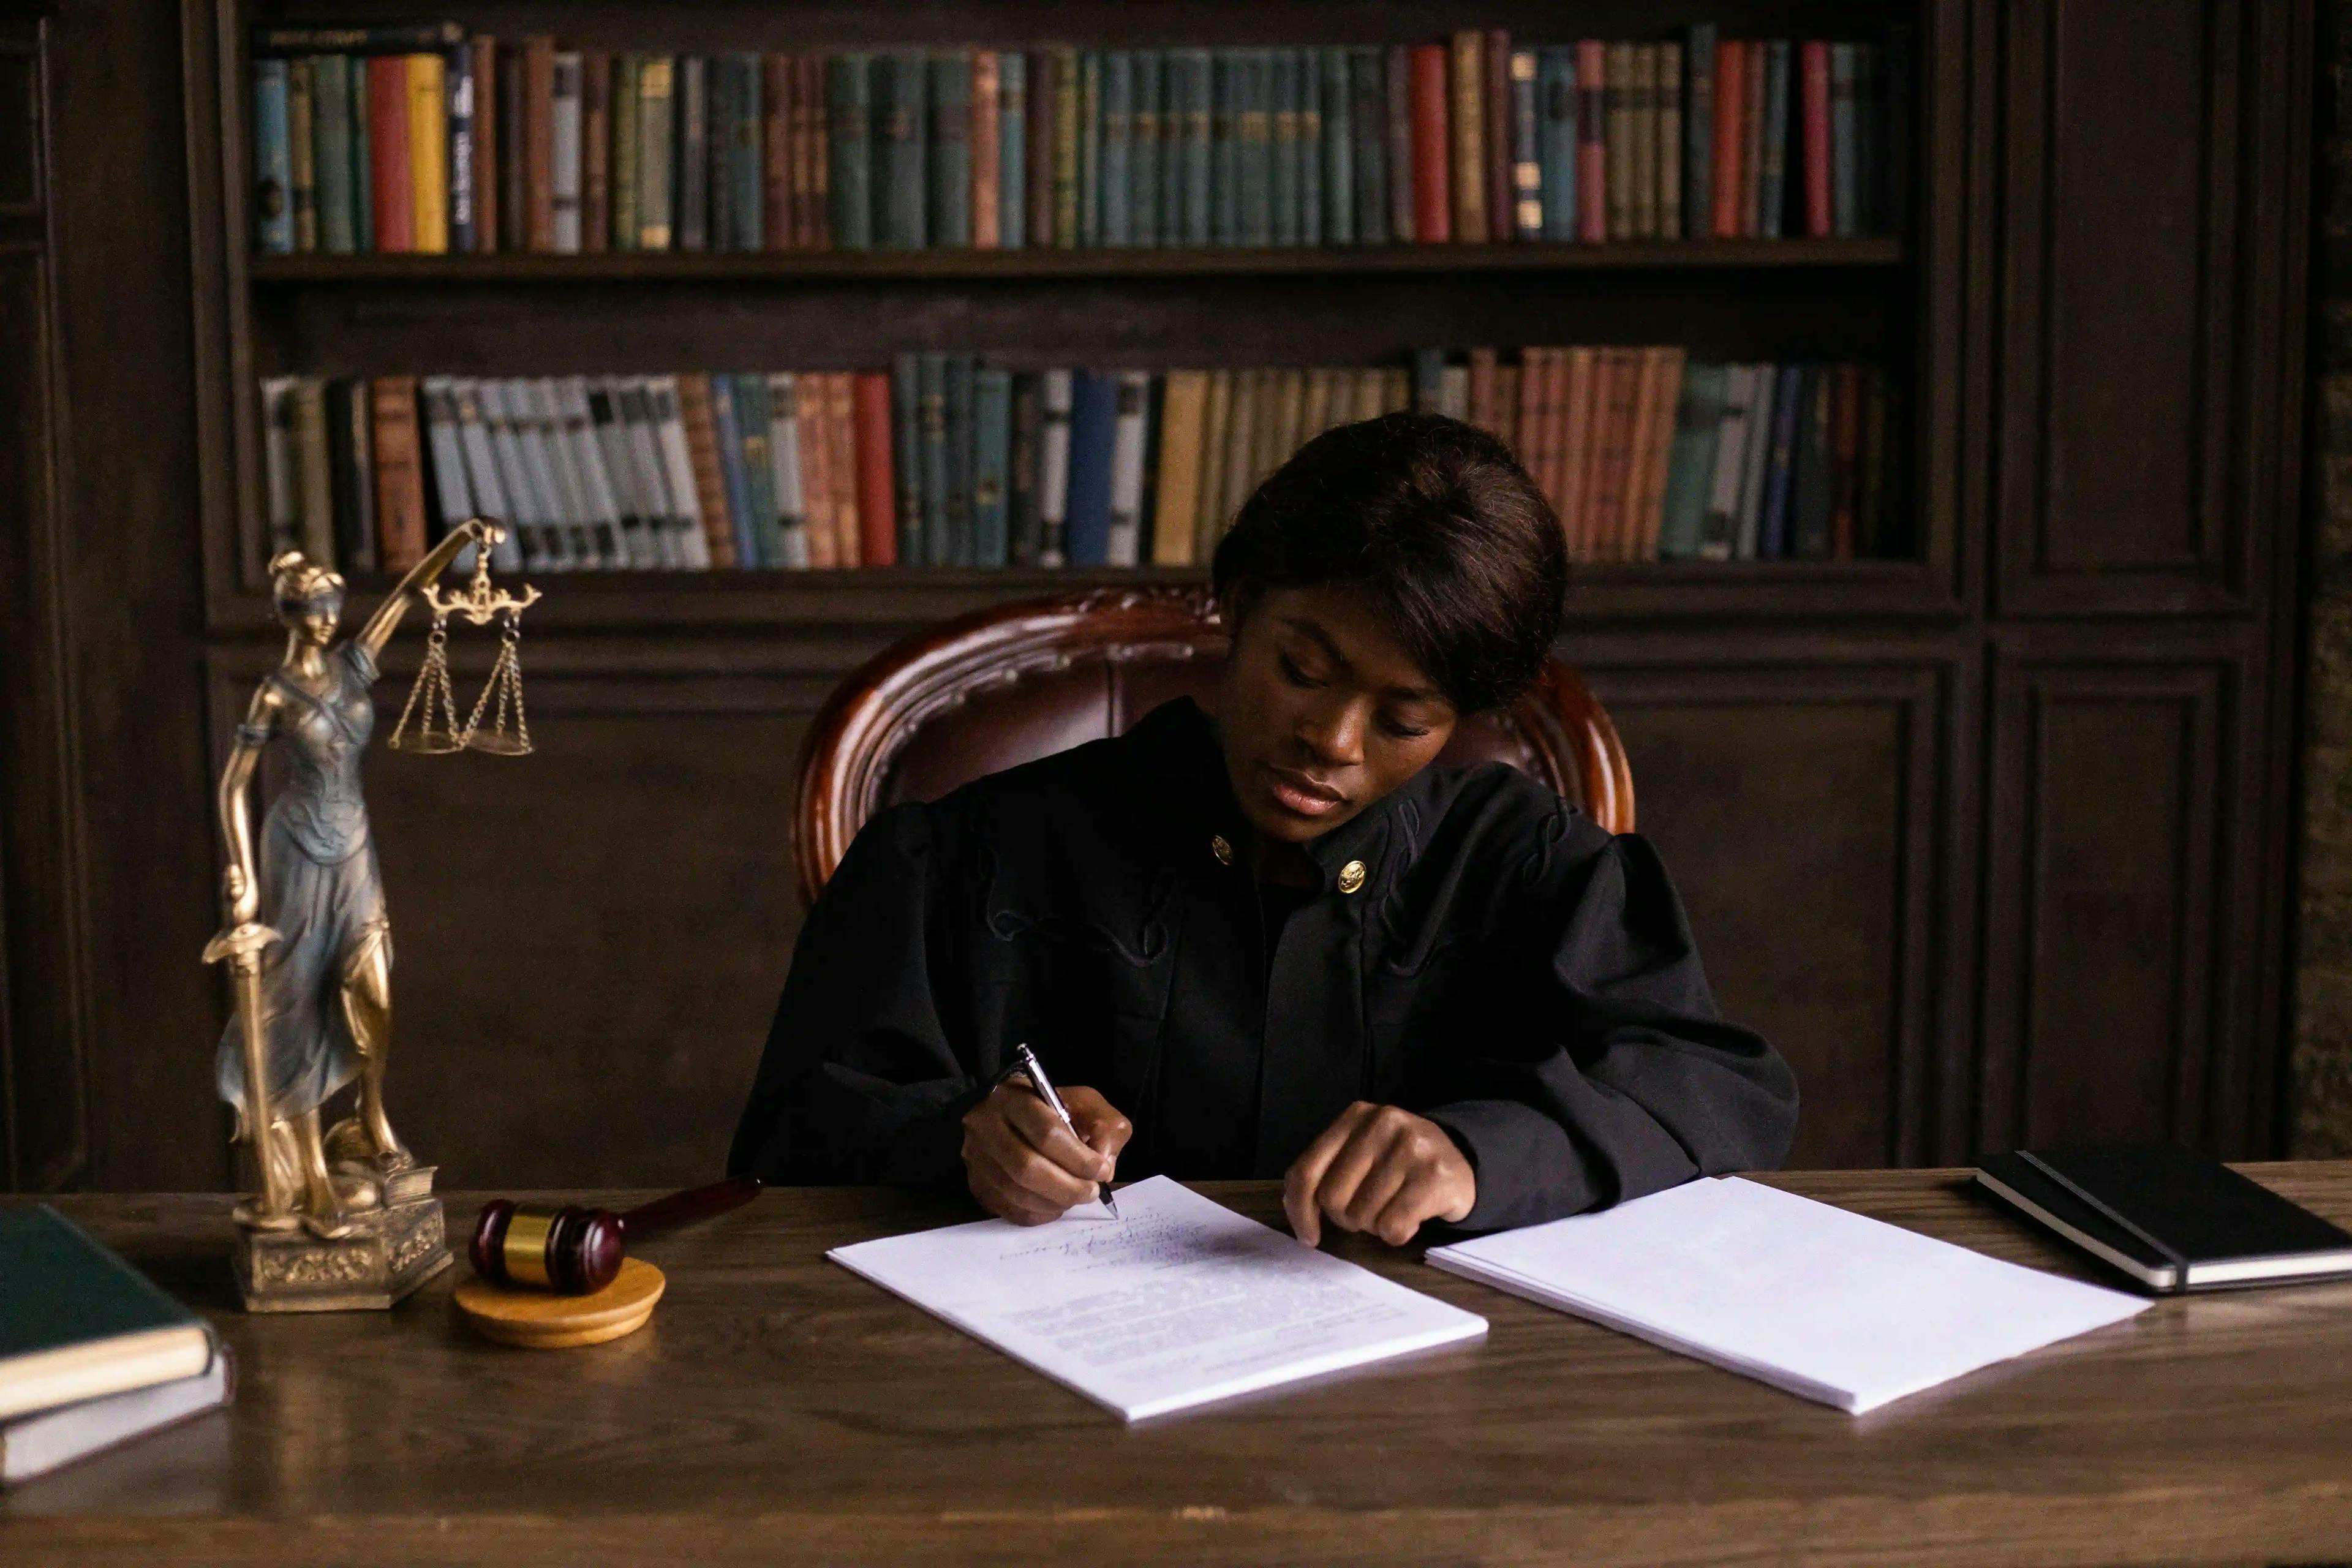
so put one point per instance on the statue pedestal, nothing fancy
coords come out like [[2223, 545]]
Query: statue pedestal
[[390, 1251]]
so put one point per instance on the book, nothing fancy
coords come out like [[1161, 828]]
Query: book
[[689, 545], [622, 530], [812, 156], [691, 155], [1555, 140], [1690, 462], [1790, 396], [1845, 196], [428, 154], [1340, 97], [1284, 219], [1617, 136], [991, 462], [776, 152], [1432, 153], [1592, 141], [281, 494], [841, 467], [1208, 507], [949, 220], [901, 134], [1116, 174], [1642, 118], [1021, 471], [957, 411], [986, 146], [578, 437], [877, 517], [785, 537], [1763, 428], [737, 189], [1813, 69], [273, 159], [1150, 208], [1012, 149], [1666, 103], [907, 457], [1183, 407], [33, 1445], [301, 150], [719, 527], [776, 532], [1808, 537], [1254, 132], [1240, 466], [1055, 394], [512, 167], [1466, 81], [1526, 155], [1730, 121], [451, 497], [931, 408], [399, 473], [1494, 144], [1772, 202], [314, 486], [392, 196], [1087, 132], [394, 39], [1039, 143], [1131, 404], [351, 454], [79, 1323], [2168, 1218], [1845, 442], [1224, 184], [563, 153], [728, 435], [1751, 139], [1402, 171], [627, 144], [538, 140], [362, 175], [1718, 524], [457, 83], [1065, 140], [1698, 129], [1194, 145], [655, 91], [820, 492], [482, 77], [485, 485]]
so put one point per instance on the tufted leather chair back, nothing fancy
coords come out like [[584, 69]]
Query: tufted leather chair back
[[1021, 681]]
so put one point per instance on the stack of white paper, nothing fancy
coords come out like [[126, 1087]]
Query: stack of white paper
[[1178, 1302], [1826, 1304]]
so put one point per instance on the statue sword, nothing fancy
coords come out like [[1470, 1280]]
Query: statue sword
[[242, 947]]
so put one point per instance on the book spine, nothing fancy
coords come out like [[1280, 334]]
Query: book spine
[[1482, 364], [1021, 472], [1870, 484], [349, 429], [1717, 530], [625, 143], [362, 164], [1617, 134], [449, 502], [1012, 149], [790, 497], [657, 77], [1527, 155], [399, 472], [1255, 130], [729, 438], [776, 152], [1667, 104], [1216, 434], [1592, 141], [1788, 405], [281, 493], [1845, 203], [841, 467], [1468, 169], [1198, 153], [301, 154], [397, 38], [1123, 527], [510, 160], [812, 154], [1396, 82], [538, 140], [985, 145], [903, 132], [315, 481], [710, 477], [746, 226], [1089, 148], [1044, 73], [1642, 104], [1494, 142], [394, 203], [1336, 90], [719, 175], [1698, 130], [906, 455], [1868, 110], [1094, 411], [1433, 217], [1176, 504], [1813, 60], [1116, 174], [1225, 149], [330, 137], [961, 371], [1809, 502], [1307, 153], [463, 115], [849, 190], [991, 432], [1665, 391], [949, 218], [1056, 393], [428, 152], [585, 450], [1772, 202], [1068, 96], [1690, 462], [690, 150], [931, 405], [1575, 439], [1147, 212], [481, 157], [1752, 141], [691, 531], [1556, 107], [878, 515], [808, 424], [1845, 452], [565, 154], [1730, 121], [1380, 173], [1282, 147]]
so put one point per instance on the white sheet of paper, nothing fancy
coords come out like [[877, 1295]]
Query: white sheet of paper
[[1178, 1302], [1827, 1304]]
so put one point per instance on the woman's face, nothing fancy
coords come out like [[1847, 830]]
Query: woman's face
[[1322, 712], [315, 619]]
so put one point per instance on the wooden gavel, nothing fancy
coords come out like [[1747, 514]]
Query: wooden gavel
[[576, 1250]]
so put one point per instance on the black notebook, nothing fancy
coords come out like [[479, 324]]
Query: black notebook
[[2169, 1218]]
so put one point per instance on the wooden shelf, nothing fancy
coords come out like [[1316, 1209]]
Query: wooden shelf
[[834, 266]]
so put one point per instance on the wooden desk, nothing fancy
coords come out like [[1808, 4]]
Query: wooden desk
[[780, 1409]]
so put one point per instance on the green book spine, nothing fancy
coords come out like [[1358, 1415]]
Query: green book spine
[[625, 152], [654, 95], [1090, 128], [932, 412], [849, 103], [907, 454], [992, 431], [1147, 215], [301, 145], [1225, 177], [951, 151], [331, 131], [747, 185], [1690, 462], [900, 134], [1282, 144], [1066, 147], [362, 186], [1118, 176], [960, 369], [1310, 153]]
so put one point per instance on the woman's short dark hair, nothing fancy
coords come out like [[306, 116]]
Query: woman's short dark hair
[[1456, 546]]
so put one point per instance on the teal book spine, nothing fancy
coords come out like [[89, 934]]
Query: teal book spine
[[1194, 71], [1690, 461], [902, 98], [1310, 146], [1090, 129], [363, 180], [1145, 220], [991, 458], [1226, 179], [1772, 195], [330, 140], [951, 151], [1282, 146], [1339, 185], [931, 407], [1012, 149], [752, 417], [1255, 134], [273, 162], [1118, 143], [730, 436], [849, 121], [746, 184], [958, 415], [1699, 129], [907, 454], [1375, 165], [1556, 133]]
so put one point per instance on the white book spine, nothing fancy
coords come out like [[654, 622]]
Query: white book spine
[[678, 469], [1134, 407], [620, 465], [565, 122], [570, 488], [522, 504], [655, 549], [282, 518], [588, 459], [1054, 466], [785, 468], [1719, 534], [538, 468], [482, 479], [452, 490]]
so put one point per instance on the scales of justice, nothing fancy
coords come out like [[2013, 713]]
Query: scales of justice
[[346, 1217]]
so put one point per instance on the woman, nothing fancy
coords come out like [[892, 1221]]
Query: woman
[[1277, 942], [326, 981]]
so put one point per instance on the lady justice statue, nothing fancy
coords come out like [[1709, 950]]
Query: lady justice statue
[[345, 1218]]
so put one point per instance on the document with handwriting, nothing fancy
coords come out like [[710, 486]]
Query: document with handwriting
[[1178, 1302]]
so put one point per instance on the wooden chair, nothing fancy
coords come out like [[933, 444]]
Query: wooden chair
[[1016, 682]]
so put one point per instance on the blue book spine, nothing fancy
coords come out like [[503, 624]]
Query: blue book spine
[[960, 372], [1094, 422], [1772, 194], [951, 187], [1256, 139], [754, 428], [992, 459], [1147, 129], [331, 136], [1226, 179], [849, 156], [1117, 141], [273, 162], [460, 94], [1311, 131], [907, 454], [901, 133], [730, 433], [1779, 478], [1369, 120], [1338, 183], [1698, 130], [1194, 145], [362, 176], [931, 405], [1282, 146], [1012, 149], [1556, 107]]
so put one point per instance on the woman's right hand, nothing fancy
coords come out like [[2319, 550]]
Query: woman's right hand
[[491, 534], [1022, 1164], [244, 898]]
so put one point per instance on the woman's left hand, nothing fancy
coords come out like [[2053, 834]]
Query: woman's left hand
[[491, 534], [1382, 1169]]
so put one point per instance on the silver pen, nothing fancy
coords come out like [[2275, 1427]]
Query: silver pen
[[1045, 1088]]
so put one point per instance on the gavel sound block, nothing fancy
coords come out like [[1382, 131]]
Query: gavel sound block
[[551, 1279]]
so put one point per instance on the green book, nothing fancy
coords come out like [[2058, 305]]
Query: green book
[[1690, 462], [331, 136], [1066, 147], [625, 152], [77, 1322], [901, 90], [951, 150], [654, 95], [1091, 141], [849, 188], [362, 179]]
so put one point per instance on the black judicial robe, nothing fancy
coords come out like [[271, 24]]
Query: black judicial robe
[[1477, 950]]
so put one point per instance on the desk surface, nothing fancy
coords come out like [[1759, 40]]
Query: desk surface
[[780, 1409]]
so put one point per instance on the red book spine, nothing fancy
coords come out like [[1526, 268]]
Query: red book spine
[[816, 136], [1592, 141], [1501, 200], [983, 145], [485, 51], [1816, 59], [876, 482], [813, 410], [776, 152], [1433, 193], [388, 175], [1731, 134], [399, 461], [539, 137]]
